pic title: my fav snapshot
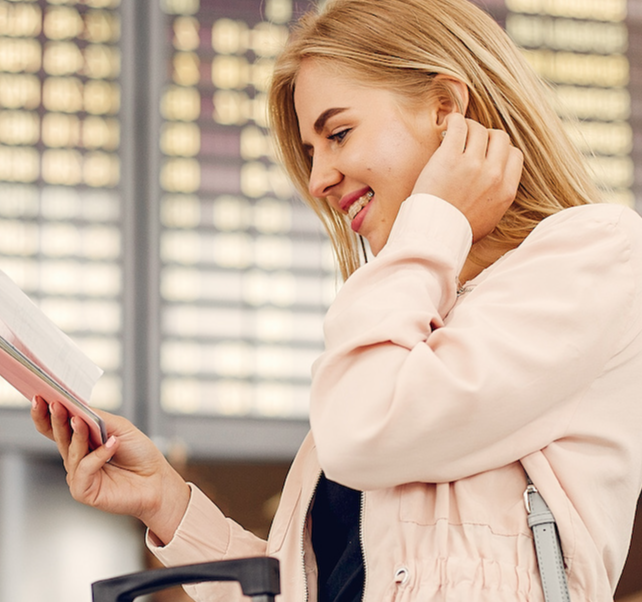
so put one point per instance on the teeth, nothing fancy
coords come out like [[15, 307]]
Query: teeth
[[359, 204]]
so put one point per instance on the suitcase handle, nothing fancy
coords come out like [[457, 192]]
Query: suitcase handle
[[259, 578]]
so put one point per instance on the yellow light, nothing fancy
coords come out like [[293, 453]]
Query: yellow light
[[230, 37], [580, 69], [62, 23], [18, 237], [62, 58], [181, 104], [183, 139], [20, 20], [101, 170], [180, 7], [186, 36], [101, 97], [230, 72], [19, 91], [231, 213], [181, 211], [19, 127], [268, 39], [100, 132], [181, 175], [20, 55], [594, 103], [187, 68], [278, 11], [62, 94], [19, 164], [62, 167], [102, 3], [101, 27], [599, 10], [59, 130], [101, 62]]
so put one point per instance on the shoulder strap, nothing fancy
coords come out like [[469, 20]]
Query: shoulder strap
[[547, 545]]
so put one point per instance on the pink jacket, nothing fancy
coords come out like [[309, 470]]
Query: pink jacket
[[431, 401]]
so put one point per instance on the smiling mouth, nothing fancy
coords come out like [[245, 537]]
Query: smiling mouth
[[359, 204]]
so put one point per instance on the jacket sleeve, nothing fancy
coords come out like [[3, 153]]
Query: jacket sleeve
[[205, 535], [416, 387]]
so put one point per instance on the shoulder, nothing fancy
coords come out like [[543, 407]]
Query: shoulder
[[599, 233], [599, 243], [595, 217]]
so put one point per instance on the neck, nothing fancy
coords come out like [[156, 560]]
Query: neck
[[482, 254]]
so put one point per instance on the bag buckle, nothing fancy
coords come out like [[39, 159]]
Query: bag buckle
[[527, 501]]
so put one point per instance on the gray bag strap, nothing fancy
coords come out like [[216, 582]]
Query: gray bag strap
[[547, 545]]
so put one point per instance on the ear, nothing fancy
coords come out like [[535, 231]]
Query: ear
[[452, 96]]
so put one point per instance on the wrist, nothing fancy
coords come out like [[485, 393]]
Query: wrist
[[165, 516]]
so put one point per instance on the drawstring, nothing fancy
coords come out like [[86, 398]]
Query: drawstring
[[363, 248]]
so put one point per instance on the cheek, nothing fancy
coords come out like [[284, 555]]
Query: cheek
[[395, 156], [418, 158], [410, 151]]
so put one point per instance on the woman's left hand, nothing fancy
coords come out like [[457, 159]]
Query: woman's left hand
[[475, 169]]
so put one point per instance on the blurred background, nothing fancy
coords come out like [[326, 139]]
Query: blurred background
[[142, 209]]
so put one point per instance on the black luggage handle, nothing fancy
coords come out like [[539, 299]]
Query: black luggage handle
[[259, 578]]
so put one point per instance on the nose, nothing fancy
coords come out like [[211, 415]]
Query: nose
[[323, 176]]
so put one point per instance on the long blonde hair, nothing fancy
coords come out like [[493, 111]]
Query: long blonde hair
[[402, 45]]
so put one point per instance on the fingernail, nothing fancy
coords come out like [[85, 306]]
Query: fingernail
[[74, 423], [110, 442], [34, 403]]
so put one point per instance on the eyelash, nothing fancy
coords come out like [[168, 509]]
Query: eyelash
[[339, 136]]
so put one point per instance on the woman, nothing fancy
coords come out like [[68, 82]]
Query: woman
[[497, 330]]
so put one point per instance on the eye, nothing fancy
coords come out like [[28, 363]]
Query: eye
[[339, 136]]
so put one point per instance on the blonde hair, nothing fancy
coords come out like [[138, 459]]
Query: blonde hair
[[402, 45]]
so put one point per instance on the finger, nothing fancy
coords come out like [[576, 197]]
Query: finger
[[514, 169], [82, 483], [60, 427], [455, 133], [499, 146], [477, 139], [41, 418], [79, 445]]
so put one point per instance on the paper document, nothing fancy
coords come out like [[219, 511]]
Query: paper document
[[37, 358]]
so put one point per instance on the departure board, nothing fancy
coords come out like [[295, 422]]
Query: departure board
[[142, 208], [246, 273], [580, 47], [245, 279], [60, 208]]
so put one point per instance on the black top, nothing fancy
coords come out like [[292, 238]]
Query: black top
[[336, 514]]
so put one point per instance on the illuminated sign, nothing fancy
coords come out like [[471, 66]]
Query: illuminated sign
[[60, 233], [580, 47], [246, 274]]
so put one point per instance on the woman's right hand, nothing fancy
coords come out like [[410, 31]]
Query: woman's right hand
[[127, 475], [475, 169]]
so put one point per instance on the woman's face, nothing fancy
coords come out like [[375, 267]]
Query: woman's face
[[367, 147]]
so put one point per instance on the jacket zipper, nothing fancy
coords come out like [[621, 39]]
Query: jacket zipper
[[362, 541], [302, 549]]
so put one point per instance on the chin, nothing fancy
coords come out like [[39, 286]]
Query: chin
[[376, 242], [375, 247]]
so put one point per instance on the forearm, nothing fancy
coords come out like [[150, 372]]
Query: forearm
[[164, 516]]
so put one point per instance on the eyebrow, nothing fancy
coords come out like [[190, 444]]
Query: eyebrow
[[319, 124]]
